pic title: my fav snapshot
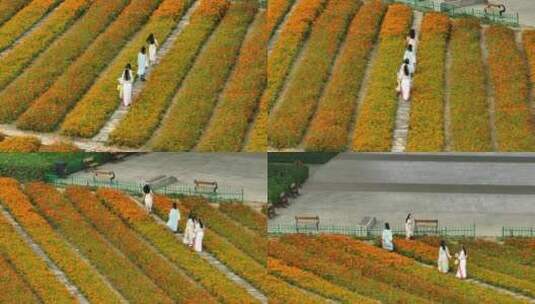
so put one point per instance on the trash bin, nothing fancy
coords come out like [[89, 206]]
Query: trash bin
[[60, 168]]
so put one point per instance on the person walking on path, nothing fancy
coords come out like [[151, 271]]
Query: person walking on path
[[387, 238], [199, 235], [461, 260], [409, 227], [174, 218], [149, 198], [142, 63], [404, 82], [409, 54], [125, 82], [443, 257], [411, 39], [153, 47], [189, 231]]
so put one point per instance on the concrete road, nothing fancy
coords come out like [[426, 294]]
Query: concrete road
[[486, 189], [234, 170], [524, 8]]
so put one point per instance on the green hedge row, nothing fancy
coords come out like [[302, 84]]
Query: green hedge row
[[305, 157], [281, 176]]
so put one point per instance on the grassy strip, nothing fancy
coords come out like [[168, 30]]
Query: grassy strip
[[146, 112], [36, 79], [287, 125], [47, 111], [280, 59], [276, 11], [428, 254], [24, 20], [451, 290], [214, 281], [426, 123], [21, 144], [313, 283], [238, 262], [509, 75], [373, 130], [246, 216], [31, 267], [470, 130], [519, 254], [234, 110], [528, 38], [98, 104], [175, 283], [180, 129], [14, 289], [329, 129], [81, 273], [120, 271], [8, 8], [250, 243], [22, 54], [356, 281]]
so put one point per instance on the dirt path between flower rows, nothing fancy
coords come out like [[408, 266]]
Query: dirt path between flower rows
[[489, 89]]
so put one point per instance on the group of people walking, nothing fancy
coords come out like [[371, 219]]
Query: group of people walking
[[408, 67], [387, 241], [145, 58], [194, 232]]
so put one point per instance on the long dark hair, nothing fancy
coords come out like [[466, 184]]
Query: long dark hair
[[464, 249], [200, 223], [443, 244], [387, 226], [174, 205], [143, 50], [151, 39], [412, 33], [146, 187], [407, 219], [406, 70], [409, 47]]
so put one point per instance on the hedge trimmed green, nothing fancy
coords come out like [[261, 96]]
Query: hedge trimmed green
[[281, 176], [305, 157]]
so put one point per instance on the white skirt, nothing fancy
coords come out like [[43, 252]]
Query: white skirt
[[405, 88], [152, 53], [127, 93]]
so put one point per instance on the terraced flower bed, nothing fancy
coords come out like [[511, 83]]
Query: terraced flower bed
[[375, 121], [246, 216], [426, 124], [9, 8]]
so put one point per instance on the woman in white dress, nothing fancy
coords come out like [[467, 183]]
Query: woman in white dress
[[443, 257], [404, 82], [409, 227], [126, 81], [188, 231], [409, 54], [174, 218], [461, 268], [199, 235], [149, 198], [142, 63], [153, 47], [387, 238], [411, 40]]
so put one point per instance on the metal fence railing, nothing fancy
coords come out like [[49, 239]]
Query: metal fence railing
[[518, 232], [222, 193], [364, 232], [510, 19]]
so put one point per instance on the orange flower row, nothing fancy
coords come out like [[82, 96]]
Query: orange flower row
[[246, 216], [213, 280], [376, 118], [20, 144], [10, 8], [39, 39], [122, 273], [53, 62], [81, 273], [14, 289], [469, 127], [32, 268], [426, 124], [288, 123], [276, 11], [149, 106], [98, 104], [235, 108], [508, 72], [329, 128]]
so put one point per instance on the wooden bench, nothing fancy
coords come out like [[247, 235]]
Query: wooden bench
[[90, 163], [425, 226], [304, 220], [101, 175], [205, 186]]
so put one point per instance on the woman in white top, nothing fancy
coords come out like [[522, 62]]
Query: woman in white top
[[411, 39], [387, 238], [189, 231], [409, 227], [153, 46], [443, 257], [461, 268], [404, 82], [142, 63], [174, 218], [409, 54], [126, 81], [199, 235], [149, 198]]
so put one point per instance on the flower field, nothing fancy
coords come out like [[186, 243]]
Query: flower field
[[107, 247], [61, 77], [469, 92], [355, 271]]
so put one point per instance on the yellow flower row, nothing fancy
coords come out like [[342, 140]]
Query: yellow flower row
[[10, 8], [98, 104]]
